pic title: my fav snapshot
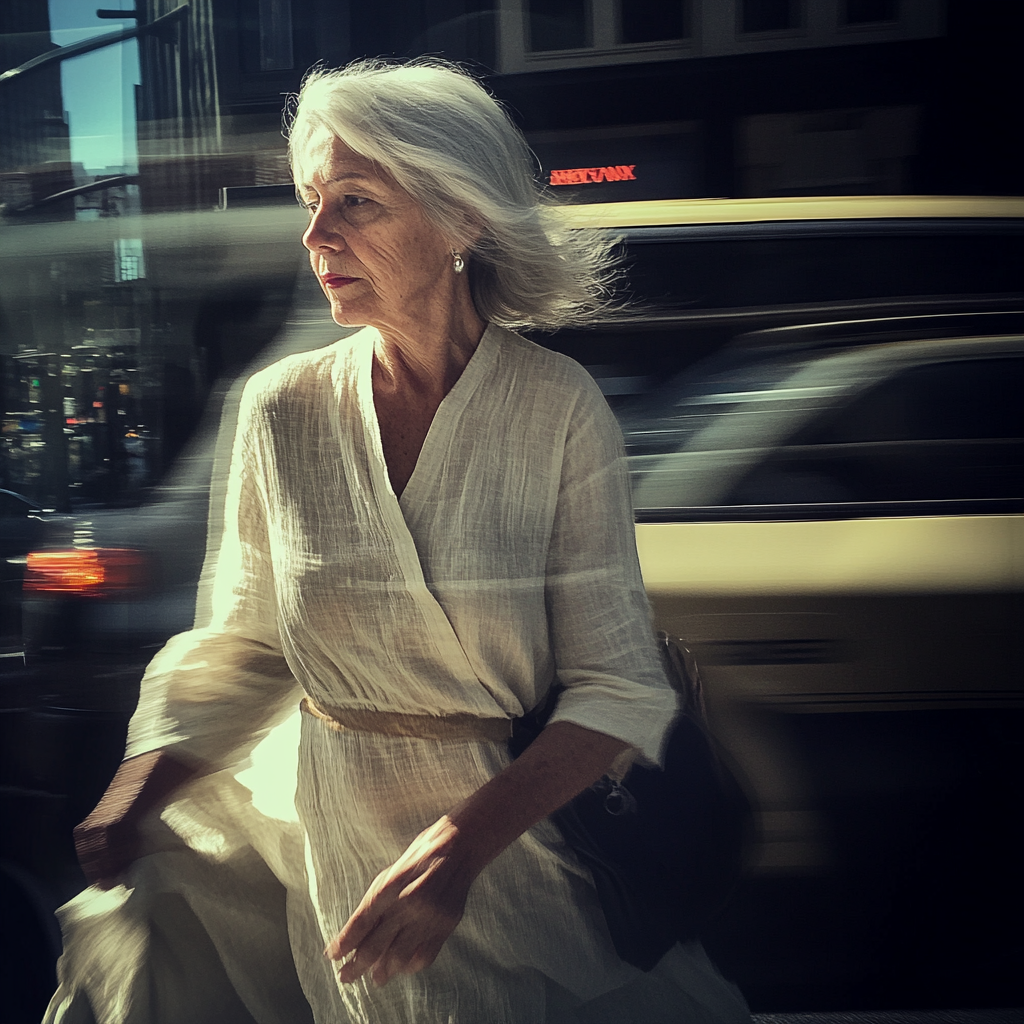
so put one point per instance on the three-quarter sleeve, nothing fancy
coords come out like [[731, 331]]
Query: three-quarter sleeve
[[212, 693], [605, 653]]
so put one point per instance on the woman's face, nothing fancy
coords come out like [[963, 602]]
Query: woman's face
[[379, 260]]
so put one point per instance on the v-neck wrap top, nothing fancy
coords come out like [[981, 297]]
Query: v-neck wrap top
[[508, 562]]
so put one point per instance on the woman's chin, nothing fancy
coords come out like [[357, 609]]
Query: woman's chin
[[346, 318]]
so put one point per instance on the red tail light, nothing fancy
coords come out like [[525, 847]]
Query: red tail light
[[86, 572]]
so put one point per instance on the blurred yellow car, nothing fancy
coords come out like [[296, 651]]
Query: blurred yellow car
[[829, 498]]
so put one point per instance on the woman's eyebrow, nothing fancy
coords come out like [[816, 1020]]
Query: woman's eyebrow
[[350, 176], [306, 186]]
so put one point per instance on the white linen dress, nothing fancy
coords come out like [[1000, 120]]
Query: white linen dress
[[508, 562]]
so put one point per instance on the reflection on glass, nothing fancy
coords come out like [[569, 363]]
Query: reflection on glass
[[128, 263], [941, 432], [98, 92]]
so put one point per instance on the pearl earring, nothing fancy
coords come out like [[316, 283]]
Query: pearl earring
[[458, 263]]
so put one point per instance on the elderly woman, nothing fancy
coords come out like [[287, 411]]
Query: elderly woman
[[428, 525]]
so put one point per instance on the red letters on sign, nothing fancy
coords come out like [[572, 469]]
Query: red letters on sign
[[585, 175]]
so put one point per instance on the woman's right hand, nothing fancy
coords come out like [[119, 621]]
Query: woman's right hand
[[107, 842]]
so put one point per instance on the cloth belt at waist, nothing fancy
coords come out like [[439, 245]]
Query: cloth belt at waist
[[445, 728]]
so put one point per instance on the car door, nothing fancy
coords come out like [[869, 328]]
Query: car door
[[872, 566], [855, 601], [20, 529]]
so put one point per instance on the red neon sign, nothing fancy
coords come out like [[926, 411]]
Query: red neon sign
[[585, 175]]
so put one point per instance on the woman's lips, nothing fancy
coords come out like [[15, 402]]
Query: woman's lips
[[337, 280]]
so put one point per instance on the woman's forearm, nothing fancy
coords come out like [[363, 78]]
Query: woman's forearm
[[144, 780], [564, 760], [107, 841]]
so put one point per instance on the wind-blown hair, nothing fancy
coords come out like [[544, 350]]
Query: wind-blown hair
[[452, 147]]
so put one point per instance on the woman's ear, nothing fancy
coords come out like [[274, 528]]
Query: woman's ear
[[464, 239]]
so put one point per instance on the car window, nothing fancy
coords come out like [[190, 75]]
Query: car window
[[945, 432], [703, 285], [13, 507], [698, 398], [745, 267]]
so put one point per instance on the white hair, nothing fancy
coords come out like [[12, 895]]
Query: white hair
[[449, 144]]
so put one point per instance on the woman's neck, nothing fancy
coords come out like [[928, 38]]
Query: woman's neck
[[411, 376], [427, 358]]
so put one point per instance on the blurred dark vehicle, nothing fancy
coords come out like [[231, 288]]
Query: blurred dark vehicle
[[26, 900], [833, 516], [848, 600], [24, 526]]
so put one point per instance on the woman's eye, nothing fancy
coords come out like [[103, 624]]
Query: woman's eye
[[345, 205]]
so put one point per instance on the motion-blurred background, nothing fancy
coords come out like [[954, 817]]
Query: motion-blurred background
[[822, 414]]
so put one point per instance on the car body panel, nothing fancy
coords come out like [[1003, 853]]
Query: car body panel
[[838, 604], [906, 555], [795, 208]]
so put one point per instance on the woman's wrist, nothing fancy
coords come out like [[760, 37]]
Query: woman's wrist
[[467, 846], [563, 760]]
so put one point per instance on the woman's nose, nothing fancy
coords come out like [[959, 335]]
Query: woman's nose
[[320, 235]]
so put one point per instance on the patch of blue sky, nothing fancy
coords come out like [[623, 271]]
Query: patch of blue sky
[[98, 87]]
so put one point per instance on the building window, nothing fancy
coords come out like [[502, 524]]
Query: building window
[[559, 24], [577, 24], [869, 12], [541, 35], [276, 35], [128, 261], [768, 15], [652, 21], [857, 151], [579, 33]]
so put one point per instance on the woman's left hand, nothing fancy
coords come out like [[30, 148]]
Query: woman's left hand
[[409, 910]]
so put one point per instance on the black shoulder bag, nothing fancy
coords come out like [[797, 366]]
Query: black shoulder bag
[[665, 847]]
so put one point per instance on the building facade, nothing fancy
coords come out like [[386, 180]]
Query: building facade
[[113, 334]]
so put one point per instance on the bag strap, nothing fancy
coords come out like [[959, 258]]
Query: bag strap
[[684, 675]]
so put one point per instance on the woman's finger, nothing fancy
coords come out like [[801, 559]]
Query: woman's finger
[[403, 955], [424, 928], [356, 931], [368, 953], [400, 956], [406, 939], [408, 912], [362, 922], [116, 835], [104, 851]]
